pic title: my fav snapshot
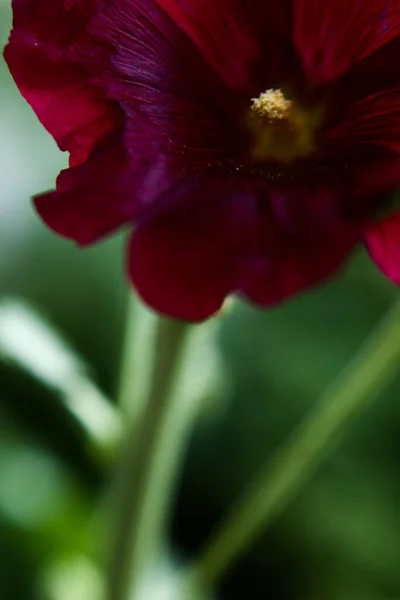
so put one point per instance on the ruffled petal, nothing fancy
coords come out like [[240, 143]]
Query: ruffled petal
[[333, 35], [92, 199], [239, 236], [183, 261], [111, 188], [54, 60], [383, 243]]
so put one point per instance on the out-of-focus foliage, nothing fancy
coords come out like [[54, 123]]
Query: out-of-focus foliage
[[340, 539]]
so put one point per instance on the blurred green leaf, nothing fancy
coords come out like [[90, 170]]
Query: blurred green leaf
[[32, 347]]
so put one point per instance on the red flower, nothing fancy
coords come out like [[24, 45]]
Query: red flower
[[251, 142]]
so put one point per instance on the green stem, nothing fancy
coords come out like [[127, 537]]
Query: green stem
[[137, 358], [295, 462], [148, 465]]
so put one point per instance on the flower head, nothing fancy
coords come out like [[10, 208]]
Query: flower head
[[250, 145]]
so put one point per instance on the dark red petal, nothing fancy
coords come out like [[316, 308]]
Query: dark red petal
[[299, 240], [231, 33], [48, 55], [372, 121], [158, 74], [183, 261], [81, 216], [111, 188], [61, 21], [233, 235], [364, 106], [379, 179], [91, 200], [333, 35], [383, 244], [220, 29]]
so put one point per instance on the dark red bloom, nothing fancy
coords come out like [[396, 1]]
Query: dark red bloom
[[252, 143]]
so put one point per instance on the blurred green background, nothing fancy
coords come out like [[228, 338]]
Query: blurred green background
[[339, 540]]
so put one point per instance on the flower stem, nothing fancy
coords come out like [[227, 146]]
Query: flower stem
[[148, 463], [295, 461], [137, 359]]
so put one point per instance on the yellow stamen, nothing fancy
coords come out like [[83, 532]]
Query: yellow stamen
[[272, 105], [281, 129]]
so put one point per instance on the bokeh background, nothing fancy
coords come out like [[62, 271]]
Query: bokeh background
[[62, 315]]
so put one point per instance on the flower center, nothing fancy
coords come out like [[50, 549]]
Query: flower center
[[281, 129]]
